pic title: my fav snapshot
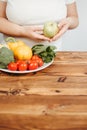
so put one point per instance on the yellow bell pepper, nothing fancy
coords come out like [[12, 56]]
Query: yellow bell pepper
[[20, 49], [23, 53], [13, 43]]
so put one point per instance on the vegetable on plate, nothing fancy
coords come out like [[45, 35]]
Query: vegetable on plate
[[46, 52], [6, 56]]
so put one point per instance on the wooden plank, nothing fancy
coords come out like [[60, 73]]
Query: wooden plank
[[44, 91], [43, 112], [38, 109], [51, 79], [44, 99], [45, 122], [75, 57], [59, 85]]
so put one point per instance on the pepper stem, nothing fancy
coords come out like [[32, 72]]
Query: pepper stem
[[10, 39]]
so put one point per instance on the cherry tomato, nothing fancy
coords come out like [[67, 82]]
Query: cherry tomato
[[22, 66], [35, 57], [40, 62], [28, 61], [33, 65], [12, 66], [19, 62]]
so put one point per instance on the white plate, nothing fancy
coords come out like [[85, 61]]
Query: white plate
[[28, 71]]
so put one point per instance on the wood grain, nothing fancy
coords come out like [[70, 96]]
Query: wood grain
[[52, 99]]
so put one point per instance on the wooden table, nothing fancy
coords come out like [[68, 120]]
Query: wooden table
[[52, 99]]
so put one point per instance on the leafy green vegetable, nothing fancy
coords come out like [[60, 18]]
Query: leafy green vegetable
[[6, 56], [47, 53]]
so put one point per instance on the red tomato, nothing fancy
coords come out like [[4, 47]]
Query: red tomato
[[40, 62], [28, 61], [12, 66], [33, 65], [19, 62], [22, 66], [35, 57]]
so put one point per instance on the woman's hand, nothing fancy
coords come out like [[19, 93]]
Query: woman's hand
[[63, 27], [70, 22], [35, 33]]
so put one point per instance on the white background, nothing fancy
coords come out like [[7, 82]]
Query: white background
[[76, 40]]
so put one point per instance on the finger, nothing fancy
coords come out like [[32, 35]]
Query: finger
[[39, 32], [38, 40], [44, 38], [38, 28], [61, 32], [41, 37]]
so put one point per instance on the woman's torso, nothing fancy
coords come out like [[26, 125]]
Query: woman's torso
[[27, 12], [34, 12]]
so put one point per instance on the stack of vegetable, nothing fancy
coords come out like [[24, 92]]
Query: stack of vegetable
[[16, 55]]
